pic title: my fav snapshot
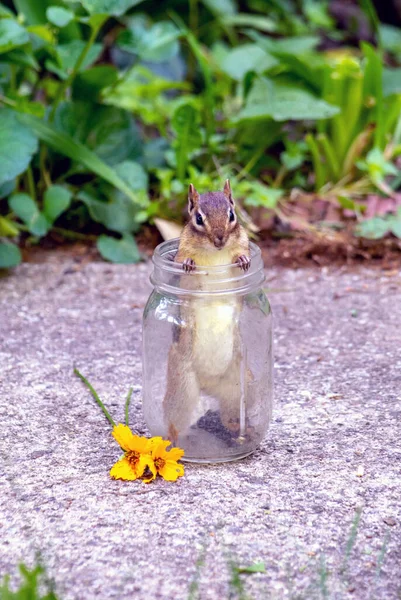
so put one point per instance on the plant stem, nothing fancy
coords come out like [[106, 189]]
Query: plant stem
[[127, 402], [68, 82], [31, 183], [96, 397], [74, 235]]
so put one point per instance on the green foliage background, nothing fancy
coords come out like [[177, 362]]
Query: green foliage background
[[108, 108]]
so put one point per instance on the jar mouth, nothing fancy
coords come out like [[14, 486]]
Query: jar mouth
[[168, 274]]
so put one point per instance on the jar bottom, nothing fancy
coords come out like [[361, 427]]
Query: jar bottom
[[214, 461]]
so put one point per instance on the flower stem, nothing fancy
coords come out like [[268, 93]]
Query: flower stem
[[128, 400], [96, 397]]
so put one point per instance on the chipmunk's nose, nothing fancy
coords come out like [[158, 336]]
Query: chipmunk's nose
[[219, 241]]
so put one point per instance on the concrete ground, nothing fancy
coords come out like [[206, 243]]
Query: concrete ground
[[318, 504]]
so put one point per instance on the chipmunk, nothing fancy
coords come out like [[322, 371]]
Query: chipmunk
[[206, 357]]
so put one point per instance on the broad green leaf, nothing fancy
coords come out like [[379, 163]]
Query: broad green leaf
[[44, 33], [10, 255], [283, 103], [221, 7], [34, 11], [7, 187], [158, 43], [287, 45], [12, 35], [26, 209], [67, 146], [59, 16], [395, 223], [376, 165], [6, 12], [133, 174], [245, 58], [261, 195], [69, 53], [17, 145], [117, 213], [391, 82], [111, 132], [7, 227], [185, 123], [114, 8], [56, 201], [373, 229], [391, 38], [123, 251], [89, 84]]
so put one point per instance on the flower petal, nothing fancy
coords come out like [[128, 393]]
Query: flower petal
[[174, 454], [171, 470], [123, 470], [128, 441], [159, 449]]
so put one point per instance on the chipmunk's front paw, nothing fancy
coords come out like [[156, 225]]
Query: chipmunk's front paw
[[243, 262], [188, 265]]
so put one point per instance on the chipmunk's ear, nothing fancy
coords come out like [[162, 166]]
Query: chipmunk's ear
[[193, 198], [228, 193]]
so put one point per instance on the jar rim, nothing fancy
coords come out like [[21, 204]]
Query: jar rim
[[169, 275]]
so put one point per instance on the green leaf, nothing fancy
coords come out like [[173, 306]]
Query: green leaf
[[185, 123], [221, 7], [56, 201], [245, 58], [89, 84], [59, 16], [10, 255], [67, 146], [116, 211], [6, 12], [395, 224], [124, 251], [12, 35], [26, 209], [391, 82], [17, 145], [133, 174], [158, 43], [7, 227], [255, 568], [261, 195], [281, 102], [114, 8], [373, 229], [69, 53]]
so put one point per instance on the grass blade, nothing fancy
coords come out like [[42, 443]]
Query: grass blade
[[127, 402], [96, 397], [66, 145]]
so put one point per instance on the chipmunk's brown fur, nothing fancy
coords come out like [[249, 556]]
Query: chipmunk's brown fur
[[207, 356]]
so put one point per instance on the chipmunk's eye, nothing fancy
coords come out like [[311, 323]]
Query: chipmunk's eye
[[232, 216], [199, 220]]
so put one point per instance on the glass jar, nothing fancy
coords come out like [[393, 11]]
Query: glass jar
[[207, 357]]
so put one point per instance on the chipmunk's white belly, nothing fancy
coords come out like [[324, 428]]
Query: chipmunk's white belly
[[213, 342]]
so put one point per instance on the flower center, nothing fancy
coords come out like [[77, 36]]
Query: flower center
[[159, 463], [132, 457]]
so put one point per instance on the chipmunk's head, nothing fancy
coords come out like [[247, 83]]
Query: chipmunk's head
[[212, 216]]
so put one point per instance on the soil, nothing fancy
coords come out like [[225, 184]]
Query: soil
[[293, 250]]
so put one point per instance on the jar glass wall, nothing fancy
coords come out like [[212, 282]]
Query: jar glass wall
[[207, 357]]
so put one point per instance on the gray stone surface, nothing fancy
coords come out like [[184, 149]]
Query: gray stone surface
[[291, 505]]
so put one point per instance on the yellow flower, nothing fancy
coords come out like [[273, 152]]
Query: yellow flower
[[165, 462], [136, 454]]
